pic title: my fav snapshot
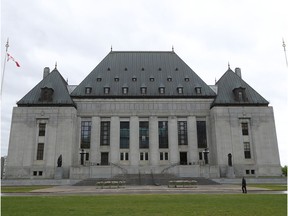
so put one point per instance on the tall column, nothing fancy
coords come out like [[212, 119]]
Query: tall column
[[134, 140], [95, 140], [114, 139], [153, 140], [173, 139], [192, 139]]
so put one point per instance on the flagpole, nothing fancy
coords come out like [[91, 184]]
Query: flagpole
[[4, 65], [284, 46]]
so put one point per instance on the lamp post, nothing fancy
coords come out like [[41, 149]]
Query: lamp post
[[206, 152]]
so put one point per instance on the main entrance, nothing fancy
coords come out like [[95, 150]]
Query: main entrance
[[183, 158], [104, 158]]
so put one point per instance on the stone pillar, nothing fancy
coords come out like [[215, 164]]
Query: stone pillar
[[153, 140], [173, 139], [95, 140], [134, 140], [193, 155], [114, 139]]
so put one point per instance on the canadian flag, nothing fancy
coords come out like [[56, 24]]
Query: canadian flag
[[11, 57]]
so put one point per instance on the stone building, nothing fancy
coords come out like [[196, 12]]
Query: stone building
[[142, 112]]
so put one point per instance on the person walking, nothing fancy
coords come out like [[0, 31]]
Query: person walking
[[244, 189]]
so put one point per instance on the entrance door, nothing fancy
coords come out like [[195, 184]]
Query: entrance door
[[104, 158], [183, 158]]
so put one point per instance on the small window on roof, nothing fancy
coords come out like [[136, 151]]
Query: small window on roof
[[134, 79], [88, 90], [186, 79], [159, 69], [108, 69], [198, 90], [162, 90], [125, 69], [106, 90], [143, 90], [46, 94], [99, 79], [116, 79], [142, 69], [169, 79], [176, 69], [125, 90], [180, 90]]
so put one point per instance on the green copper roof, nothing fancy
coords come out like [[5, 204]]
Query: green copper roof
[[137, 70], [60, 96], [226, 97]]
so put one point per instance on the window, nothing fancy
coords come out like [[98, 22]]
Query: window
[[200, 156], [163, 134], [169, 79], [142, 69], [152, 79], [182, 133], [40, 151], [253, 172], [247, 150], [144, 156], [159, 69], [180, 90], [87, 157], [162, 90], [116, 79], [106, 90], [105, 133], [163, 155], [247, 172], [88, 90], [125, 90], [125, 69], [35, 173], [42, 129], [134, 79], [201, 134], [240, 94], [143, 90], [186, 79], [245, 131], [40, 173], [143, 134], [85, 134], [198, 90], [99, 79], [124, 135], [124, 156]]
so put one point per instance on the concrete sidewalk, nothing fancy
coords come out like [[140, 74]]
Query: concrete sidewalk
[[93, 190]]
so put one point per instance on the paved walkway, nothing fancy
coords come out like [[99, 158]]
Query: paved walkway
[[93, 190]]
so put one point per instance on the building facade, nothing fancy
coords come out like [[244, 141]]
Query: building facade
[[142, 112]]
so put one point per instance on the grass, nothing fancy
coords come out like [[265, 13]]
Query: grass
[[21, 189], [275, 187], [156, 205]]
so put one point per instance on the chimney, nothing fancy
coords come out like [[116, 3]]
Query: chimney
[[238, 72], [46, 72]]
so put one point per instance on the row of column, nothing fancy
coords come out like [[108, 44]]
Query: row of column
[[134, 150]]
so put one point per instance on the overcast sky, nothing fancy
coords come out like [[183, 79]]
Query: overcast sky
[[206, 34]]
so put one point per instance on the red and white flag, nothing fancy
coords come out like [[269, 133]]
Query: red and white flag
[[11, 57]]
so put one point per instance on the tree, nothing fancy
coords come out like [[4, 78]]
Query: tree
[[284, 170]]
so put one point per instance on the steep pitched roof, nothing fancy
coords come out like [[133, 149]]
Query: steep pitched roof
[[227, 85], [136, 70], [60, 96]]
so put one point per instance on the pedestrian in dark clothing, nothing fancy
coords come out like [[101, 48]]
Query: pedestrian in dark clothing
[[244, 190]]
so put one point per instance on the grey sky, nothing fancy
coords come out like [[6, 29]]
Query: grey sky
[[206, 34]]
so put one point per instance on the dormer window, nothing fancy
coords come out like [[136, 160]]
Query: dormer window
[[143, 90], [198, 90], [159, 69], [108, 69], [169, 79], [152, 79], [106, 90], [240, 94], [176, 69], [116, 79], [99, 79], [180, 90], [134, 79], [125, 69], [162, 90], [142, 69], [46, 94], [186, 79], [125, 90], [88, 90]]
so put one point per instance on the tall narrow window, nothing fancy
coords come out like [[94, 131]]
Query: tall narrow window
[[124, 135], [105, 133], [124, 156], [144, 156], [245, 131], [247, 150], [42, 129], [85, 134], [201, 134], [40, 151], [144, 134], [163, 134], [182, 133]]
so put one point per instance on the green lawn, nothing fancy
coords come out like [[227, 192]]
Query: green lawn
[[21, 189], [276, 187], [152, 205]]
